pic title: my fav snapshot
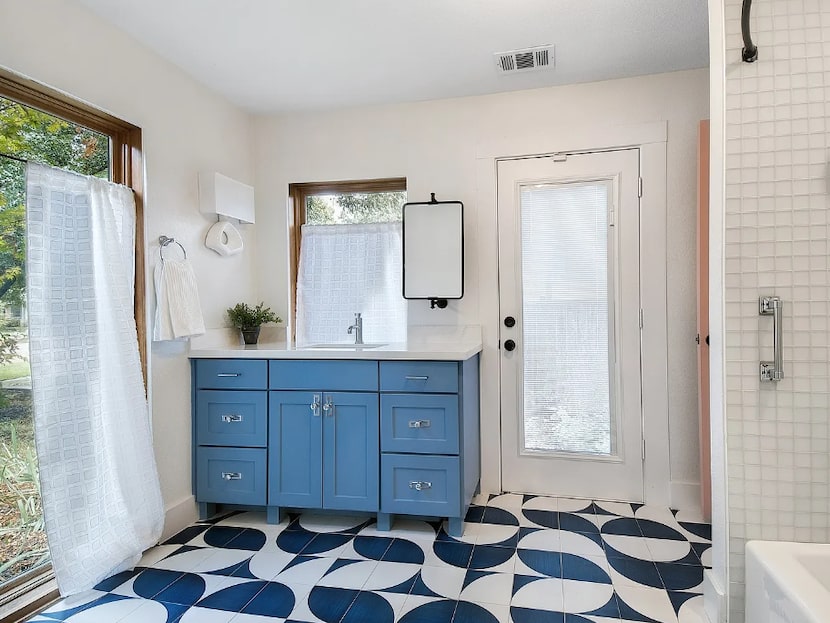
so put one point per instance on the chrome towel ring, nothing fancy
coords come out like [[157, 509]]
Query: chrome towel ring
[[164, 241]]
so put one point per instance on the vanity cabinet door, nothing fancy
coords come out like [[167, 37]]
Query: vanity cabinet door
[[350, 451], [295, 422]]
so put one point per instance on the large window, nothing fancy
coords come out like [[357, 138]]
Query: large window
[[42, 126], [347, 259]]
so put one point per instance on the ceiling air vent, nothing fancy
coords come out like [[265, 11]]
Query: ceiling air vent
[[529, 59]]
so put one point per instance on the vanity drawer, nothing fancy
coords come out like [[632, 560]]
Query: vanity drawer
[[421, 423], [232, 418], [231, 374], [420, 485], [419, 376], [354, 376], [231, 475]]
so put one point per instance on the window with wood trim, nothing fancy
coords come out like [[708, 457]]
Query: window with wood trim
[[42, 125], [340, 203]]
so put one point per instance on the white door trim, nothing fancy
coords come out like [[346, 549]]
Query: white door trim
[[651, 139]]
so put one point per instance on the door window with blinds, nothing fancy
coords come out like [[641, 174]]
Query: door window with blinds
[[568, 339], [348, 260]]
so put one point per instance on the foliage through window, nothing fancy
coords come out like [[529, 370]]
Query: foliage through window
[[28, 134], [354, 208]]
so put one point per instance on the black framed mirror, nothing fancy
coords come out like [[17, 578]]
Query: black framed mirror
[[433, 251]]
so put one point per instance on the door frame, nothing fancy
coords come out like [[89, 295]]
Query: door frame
[[651, 139]]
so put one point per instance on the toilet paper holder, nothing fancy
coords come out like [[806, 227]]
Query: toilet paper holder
[[224, 238]]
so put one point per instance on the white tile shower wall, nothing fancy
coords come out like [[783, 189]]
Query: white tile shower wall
[[776, 243]]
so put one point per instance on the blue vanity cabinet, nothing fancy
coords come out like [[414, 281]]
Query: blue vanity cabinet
[[323, 450], [388, 437], [429, 432], [230, 423], [323, 445]]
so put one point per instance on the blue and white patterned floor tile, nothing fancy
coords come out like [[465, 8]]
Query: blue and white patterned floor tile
[[522, 559]]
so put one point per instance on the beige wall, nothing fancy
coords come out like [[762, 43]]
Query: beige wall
[[435, 145], [186, 128]]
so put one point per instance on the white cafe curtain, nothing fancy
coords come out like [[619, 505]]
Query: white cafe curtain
[[102, 502], [346, 269]]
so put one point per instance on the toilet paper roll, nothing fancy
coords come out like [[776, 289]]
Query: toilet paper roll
[[224, 238]]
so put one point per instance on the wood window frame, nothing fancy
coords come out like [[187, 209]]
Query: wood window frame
[[298, 194], [126, 167]]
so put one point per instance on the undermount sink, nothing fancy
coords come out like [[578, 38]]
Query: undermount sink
[[344, 346]]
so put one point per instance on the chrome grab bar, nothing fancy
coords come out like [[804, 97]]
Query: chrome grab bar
[[773, 370]]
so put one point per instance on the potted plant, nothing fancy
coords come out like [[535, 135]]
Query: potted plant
[[249, 319]]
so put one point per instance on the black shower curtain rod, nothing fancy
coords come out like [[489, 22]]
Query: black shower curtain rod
[[750, 51]]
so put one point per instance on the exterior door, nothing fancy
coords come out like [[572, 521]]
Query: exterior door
[[570, 331], [350, 458]]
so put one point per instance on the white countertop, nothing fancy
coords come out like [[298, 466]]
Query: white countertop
[[436, 344]]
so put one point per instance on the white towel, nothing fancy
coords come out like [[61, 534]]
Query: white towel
[[178, 311]]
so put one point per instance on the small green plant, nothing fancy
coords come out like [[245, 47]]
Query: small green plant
[[243, 316]]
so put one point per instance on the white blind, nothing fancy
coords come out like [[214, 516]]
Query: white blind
[[346, 269], [565, 321]]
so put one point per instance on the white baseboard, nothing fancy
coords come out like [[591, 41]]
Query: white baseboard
[[714, 598], [179, 515], [685, 496]]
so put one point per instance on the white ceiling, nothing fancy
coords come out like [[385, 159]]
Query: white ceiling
[[290, 55]]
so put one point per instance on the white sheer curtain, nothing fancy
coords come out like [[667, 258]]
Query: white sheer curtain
[[346, 269], [102, 502]]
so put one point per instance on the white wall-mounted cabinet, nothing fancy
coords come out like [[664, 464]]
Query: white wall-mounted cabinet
[[224, 196]]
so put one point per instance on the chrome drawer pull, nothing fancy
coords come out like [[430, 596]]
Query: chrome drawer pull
[[223, 375], [328, 407], [416, 378], [232, 417], [419, 423], [231, 476], [420, 485]]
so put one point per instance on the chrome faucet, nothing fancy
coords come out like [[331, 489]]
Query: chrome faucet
[[357, 328]]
